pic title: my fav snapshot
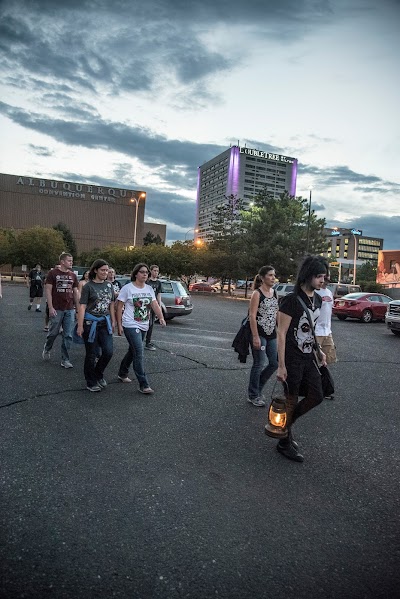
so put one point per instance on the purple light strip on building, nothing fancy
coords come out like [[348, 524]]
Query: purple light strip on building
[[233, 173], [198, 199], [294, 179]]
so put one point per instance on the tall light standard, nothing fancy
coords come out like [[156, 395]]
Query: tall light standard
[[188, 231], [355, 232], [135, 199], [309, 220]]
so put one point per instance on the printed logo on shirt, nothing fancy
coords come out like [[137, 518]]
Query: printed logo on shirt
[[141, 308]]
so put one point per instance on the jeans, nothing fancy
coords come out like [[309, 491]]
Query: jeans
[[103, 341], [260, 373], [66, 320], [134, 356]]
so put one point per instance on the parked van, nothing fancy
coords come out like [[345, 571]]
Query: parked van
[[341, 289]]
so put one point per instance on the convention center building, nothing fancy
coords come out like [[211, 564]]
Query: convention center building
[[97, 216]]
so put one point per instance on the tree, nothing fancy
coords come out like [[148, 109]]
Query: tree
[[366, 272], [150, 239], [38, 245], [275, 233], [69, 242], [7, 246], [226, 241]]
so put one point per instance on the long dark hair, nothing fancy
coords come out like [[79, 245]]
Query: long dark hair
[[261, 273], [83, 276], [136, 269], [311, 266], [96, 264]]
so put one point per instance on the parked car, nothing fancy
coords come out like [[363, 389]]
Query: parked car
[[175, 298], [283, 289], [392, 317], [363, 306], [217, 286], [201, 287], [341, 289]]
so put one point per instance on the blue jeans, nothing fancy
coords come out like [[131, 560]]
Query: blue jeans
[[103, 341], [134, 356], [260, 373], [66, 320]]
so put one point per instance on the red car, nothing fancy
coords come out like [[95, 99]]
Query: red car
[[364, 306], [201, 287]]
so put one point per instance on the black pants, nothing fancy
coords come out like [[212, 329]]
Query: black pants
[[150, 329], [302, 371]]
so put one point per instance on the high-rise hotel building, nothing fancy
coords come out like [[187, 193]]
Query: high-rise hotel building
[[244, 173]]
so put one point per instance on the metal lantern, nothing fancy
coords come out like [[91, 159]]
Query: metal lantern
[[276, 426]]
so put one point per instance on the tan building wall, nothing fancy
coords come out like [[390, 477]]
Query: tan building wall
[[155, 229], [96, 216]]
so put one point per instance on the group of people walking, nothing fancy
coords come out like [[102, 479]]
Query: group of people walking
[[93, 302], [282, 335]]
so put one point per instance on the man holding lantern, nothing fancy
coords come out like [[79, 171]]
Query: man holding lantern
[[296, 348]]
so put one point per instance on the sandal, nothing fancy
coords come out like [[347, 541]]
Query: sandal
[[124, 379]]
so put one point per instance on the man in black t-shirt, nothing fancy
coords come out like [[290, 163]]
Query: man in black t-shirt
[[295, 348], [156, 285], [35, 284]]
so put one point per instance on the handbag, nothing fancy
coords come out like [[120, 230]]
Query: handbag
[[328, 384]]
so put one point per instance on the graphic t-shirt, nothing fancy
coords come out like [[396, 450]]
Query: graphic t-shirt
[[137, 302], [299, 338], [323, 326], [97, 297], [266, 316], [62, 292], [36, 278]]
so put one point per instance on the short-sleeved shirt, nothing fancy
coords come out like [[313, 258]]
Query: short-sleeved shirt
[[137, 302], [97, 297], [63, 285], [266, 316], [36, 278], [323, 327], [299, 338], [156, 285]]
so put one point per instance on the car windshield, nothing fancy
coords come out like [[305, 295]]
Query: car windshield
[[353, 296]]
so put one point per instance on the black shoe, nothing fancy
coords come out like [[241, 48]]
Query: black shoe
[[30, 307], [290, 452], [292, 441]]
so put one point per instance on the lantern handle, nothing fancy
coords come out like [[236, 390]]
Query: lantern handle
[[284, 383]]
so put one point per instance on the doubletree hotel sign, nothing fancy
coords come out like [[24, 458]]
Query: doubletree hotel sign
[[82, 191]]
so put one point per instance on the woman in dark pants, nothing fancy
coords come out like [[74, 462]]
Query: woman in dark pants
[[96, 322], [295, 348]]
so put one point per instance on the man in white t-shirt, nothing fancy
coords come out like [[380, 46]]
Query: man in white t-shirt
[[323, 327]]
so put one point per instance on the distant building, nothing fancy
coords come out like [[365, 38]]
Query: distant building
[[349, 248], [244, 173], [155, 229], [96, 215]]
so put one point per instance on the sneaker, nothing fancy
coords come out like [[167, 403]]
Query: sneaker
[[150, 347], [38, 310], [257, 401], [66, 364], [146, 390], [30, 307], [93, 388], [329, 397], [45, 355], [46, 329], [102, 383], [124, 379]]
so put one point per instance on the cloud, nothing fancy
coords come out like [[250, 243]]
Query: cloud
[[40, 150], [342, 175]]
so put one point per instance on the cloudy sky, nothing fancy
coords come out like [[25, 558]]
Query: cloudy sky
[[139, 93]]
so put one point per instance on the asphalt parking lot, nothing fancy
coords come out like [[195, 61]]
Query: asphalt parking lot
[[181, 494]]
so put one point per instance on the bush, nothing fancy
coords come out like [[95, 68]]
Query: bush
[[370, 286]]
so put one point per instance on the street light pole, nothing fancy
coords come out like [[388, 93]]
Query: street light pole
[[136, 200], [355, 232], [188, 231], [309, 221]]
